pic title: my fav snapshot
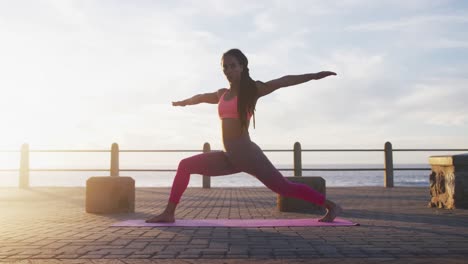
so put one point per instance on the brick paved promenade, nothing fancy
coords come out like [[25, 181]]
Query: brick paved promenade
[[44, 225]]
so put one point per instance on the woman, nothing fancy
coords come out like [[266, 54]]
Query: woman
[[236, 105]]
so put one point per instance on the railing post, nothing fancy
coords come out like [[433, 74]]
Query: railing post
[[114, 169], [388, 177], [206, 179], [297, 159], [24, 167]]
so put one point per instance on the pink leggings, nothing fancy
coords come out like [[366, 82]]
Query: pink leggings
[[241, 155]]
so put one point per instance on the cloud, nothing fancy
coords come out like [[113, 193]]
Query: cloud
[[331, 108], [358, 81], [264, 23], [443, 44], [436, 102], [108, 71], [409, 23]]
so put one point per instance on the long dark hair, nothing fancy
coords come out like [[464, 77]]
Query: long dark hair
[[247, 97]]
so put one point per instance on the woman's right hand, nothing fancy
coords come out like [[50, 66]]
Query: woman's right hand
[[179, 103]]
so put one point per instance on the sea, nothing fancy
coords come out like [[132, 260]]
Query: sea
[[413, 178]]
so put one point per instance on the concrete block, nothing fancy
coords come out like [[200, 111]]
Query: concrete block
[[288, 204], [108, 194]]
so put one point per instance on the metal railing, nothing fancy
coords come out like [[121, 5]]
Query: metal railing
[[114, 170]]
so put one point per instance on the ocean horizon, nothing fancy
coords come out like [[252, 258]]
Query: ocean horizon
[[165, 179]]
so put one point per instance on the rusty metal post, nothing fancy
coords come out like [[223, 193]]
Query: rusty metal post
[[388, 177], [297, 159], [114, 169], [206, 179], [24, 167]]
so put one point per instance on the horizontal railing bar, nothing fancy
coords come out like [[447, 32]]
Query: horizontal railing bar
[[69, 170], [281, 169], [307, 150], [430, 149], [68, 150], [277, 150], [160, 170], [172, 170], [367, 169], [266, 150], [341, 150], [162, 150], [345, 169], [412, 169]]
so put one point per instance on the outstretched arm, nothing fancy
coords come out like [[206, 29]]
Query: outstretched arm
[[289, 80], [210, 98]]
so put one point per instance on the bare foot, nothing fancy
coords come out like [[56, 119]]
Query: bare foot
[[333, 210], [162, 218]]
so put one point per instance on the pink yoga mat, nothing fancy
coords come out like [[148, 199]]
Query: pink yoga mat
[[239, 223]]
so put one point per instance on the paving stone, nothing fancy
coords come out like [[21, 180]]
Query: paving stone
[[395, 225]]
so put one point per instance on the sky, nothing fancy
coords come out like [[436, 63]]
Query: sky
[[86, 74]]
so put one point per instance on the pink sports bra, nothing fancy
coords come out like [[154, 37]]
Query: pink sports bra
[[228, 109]]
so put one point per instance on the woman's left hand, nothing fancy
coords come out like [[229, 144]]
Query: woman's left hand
[[324, 74]]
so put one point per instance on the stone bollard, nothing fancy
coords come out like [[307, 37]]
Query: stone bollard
[[449, 181], [288, 204]]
